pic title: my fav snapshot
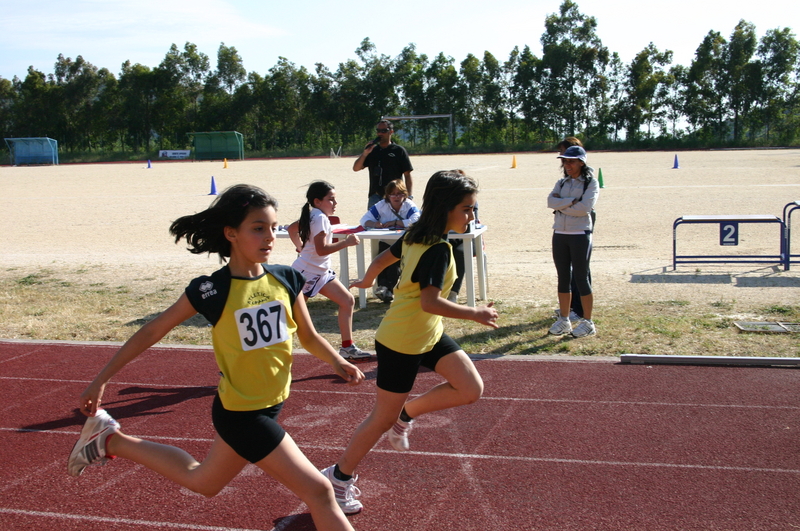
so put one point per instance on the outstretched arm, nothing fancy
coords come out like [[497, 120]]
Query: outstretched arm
[[431, 301], [316, 344], [381, 262], [143, 339]]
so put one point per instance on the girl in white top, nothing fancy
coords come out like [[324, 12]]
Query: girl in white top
[[314, 239]]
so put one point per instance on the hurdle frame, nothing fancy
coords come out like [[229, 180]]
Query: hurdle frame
[[782, 258], [787, 221]]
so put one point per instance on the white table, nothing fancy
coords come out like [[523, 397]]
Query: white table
[[344, 262], [473, 245]]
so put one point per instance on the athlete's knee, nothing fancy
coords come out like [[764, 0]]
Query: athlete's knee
[[472, 392], [209, 491], [319, 493]]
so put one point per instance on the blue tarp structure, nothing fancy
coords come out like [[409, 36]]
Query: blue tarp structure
[[40, 150]]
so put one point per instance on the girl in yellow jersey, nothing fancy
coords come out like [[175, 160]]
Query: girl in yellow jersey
[[411, 334], [254, 309]]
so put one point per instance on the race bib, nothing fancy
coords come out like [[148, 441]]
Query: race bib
[[262, 326]]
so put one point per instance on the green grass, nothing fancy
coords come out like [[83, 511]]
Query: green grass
[[73, 305]]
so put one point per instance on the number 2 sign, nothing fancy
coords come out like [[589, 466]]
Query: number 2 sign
[[729, 233]]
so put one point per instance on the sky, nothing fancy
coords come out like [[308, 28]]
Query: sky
[[109, 32]]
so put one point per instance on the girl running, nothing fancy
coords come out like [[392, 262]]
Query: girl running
[[411, 333], [314, 239], [254, 310]]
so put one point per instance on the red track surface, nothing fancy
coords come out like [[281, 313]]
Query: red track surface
[[551, 446]]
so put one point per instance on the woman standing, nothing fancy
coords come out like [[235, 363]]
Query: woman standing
[[572, 200]]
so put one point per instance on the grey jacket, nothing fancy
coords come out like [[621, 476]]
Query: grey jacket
[[569, 217]]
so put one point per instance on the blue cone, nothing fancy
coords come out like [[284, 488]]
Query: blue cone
[[213, 186], [676, 166]]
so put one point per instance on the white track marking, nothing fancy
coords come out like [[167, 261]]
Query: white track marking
[[459, 455], [149, 524]]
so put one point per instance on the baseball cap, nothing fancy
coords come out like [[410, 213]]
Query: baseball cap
[[574, 152]]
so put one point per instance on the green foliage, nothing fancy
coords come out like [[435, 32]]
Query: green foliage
[[741, 91]]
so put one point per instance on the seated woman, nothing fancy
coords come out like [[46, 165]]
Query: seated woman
[[394, 211]]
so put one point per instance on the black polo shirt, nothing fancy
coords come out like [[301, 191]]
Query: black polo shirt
[[386, 165]]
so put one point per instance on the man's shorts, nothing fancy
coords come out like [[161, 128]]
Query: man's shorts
[[397, 371], [314, 283]]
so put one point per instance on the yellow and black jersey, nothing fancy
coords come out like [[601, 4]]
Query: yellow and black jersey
[[406, 328], [252, 333]]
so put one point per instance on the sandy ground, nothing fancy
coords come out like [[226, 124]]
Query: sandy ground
[[117, 216]]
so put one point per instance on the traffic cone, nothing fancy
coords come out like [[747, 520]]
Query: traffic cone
[[676, 166], [514, 162], [148, 164], [213, 186], [226, 164], [600, 177]]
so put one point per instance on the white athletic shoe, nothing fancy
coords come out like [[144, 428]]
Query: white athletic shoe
[[91, 446], [354, 353], [398, 435], [572, 315], [561, 327], [584, 328], [345, 492]]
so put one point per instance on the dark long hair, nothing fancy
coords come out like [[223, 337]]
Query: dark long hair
[[316, 190], [445, 191], [204, 231]]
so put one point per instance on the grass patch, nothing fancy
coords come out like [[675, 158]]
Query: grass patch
[[78, 305]]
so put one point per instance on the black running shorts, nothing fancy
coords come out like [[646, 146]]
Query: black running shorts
[[251, 434], [397, 371]]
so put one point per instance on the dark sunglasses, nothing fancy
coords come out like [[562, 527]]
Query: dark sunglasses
[[383, 130]]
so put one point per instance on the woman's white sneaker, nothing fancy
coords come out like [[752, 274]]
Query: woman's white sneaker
[[584, 328], [561, 327]]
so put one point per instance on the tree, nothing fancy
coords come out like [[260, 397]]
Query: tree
[[740, 79], [778, 54], [705, 87], [230, 70], [570, 72], [645, 75]]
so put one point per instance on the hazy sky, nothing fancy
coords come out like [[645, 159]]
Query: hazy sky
[[108, 32]]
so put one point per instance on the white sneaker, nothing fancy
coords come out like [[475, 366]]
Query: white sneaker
[[398, 435], [354, 353], [91, 446], [584, 328], [345, 492], [561, 327], [572, 315], [453, 296]]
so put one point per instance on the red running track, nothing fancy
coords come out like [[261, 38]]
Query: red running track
[[552, 445]]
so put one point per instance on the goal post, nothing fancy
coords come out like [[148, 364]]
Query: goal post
[[423, 117], [35, 150]]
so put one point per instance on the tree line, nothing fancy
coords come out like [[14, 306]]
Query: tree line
[[739, 91]]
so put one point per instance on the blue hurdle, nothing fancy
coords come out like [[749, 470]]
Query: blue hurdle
[[731, 222], [787, 221]]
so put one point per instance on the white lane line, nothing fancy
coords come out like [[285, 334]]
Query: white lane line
[[128, 521], [490, 398], [501, 458]]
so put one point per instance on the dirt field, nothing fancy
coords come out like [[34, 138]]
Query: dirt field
[[117, 215]]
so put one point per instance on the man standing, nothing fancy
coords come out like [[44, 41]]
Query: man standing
[[386, 162]]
